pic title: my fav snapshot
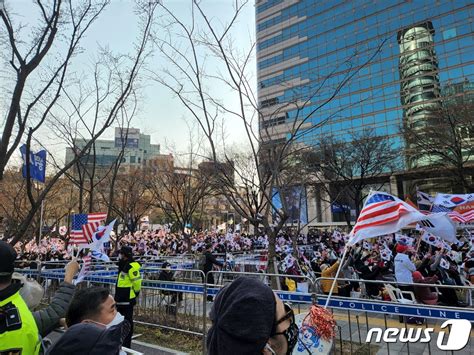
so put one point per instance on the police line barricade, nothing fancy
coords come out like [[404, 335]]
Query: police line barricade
[[244, 261], [359, 318], [406, 296], [156, 306], [174, 305], [187, 314]]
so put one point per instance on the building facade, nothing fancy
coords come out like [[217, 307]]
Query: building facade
[[343, 66], [138, 150]]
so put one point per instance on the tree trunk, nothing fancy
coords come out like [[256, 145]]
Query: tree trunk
[[272, 268], [11, 119]]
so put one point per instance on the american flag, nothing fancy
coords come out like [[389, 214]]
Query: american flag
[[465, 217], [383, 214], [379, 209], [84, 226]]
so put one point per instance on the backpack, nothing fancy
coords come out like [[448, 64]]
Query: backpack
[[202, 261]]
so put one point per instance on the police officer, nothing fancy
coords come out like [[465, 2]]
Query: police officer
[[20, 329], [129, 283]]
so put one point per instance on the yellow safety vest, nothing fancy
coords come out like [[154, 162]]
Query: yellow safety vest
[[25, 339], [128, 284]]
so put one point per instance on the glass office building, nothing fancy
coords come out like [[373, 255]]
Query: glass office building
[[397, 58]]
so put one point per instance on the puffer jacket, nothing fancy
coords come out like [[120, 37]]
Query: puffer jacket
[[88, 338], [47, 319]]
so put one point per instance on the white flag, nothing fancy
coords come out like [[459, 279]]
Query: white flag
[[386, 254], [403, 239], [424, 200], [444, 264], [451, 201], [99, 255], [430, 239], [440, 225]]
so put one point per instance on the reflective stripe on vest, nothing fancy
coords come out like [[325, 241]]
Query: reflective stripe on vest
[[24, 340], [124, 280]]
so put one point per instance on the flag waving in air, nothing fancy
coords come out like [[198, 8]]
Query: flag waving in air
[[424, 200], [383, 214], [101, 236], [84, 226], [451, 201]]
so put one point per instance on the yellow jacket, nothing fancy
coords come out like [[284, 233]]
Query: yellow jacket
[[329, 272]]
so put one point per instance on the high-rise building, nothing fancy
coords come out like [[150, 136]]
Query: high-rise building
[[394, 58], [138, 150], [420, 94]]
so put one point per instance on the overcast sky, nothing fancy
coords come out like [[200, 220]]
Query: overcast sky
[[160, 115]]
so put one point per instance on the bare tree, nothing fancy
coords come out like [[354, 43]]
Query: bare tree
[[444, 141], [132, 199], [118, 79], [32, 97], [179, 193], [188, 45], [346, 170]]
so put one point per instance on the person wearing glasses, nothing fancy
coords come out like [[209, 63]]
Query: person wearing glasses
[[248, 318]]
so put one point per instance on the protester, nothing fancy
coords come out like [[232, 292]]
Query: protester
[[209, 261], [329, 272], [93, 305], [469, 270], [248, 318], [404, 267], [167, 275], [88, 338], [94, 325], [424, 294], [23, 330], [129, 283]]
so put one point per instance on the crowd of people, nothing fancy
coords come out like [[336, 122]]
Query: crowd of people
[[404, 259], [395, 257]]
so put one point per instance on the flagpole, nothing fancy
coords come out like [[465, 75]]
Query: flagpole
[[337, 275], [41, 220]]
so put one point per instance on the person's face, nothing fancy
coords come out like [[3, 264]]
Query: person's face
[[107, 312], [278, 343]]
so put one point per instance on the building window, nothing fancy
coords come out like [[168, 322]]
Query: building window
[[139, 160], [273, 122], [450, 33], [132, 160], [269, 102]]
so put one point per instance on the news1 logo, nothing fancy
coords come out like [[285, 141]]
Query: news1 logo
[[456, 339]]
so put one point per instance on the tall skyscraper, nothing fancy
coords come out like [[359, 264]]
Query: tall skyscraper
[[420, 92], [397, 56]]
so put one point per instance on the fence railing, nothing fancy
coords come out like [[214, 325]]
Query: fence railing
[[182, 306]]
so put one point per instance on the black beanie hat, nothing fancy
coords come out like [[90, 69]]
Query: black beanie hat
[[127, 251], [7, 258], [243, 317]]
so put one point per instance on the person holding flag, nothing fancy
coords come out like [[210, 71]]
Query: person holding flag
[[129, 284]]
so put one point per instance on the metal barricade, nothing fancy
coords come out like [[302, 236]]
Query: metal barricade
[[174, 305], [357, 316], [182, 306]]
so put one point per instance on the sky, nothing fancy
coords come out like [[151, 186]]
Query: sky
[[160, 114]]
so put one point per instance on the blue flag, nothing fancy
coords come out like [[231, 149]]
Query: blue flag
[[37, 164]]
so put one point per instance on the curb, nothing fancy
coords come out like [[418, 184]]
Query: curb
[[157, 347]]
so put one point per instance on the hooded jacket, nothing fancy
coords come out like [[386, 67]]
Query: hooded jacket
[[87, 338]]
